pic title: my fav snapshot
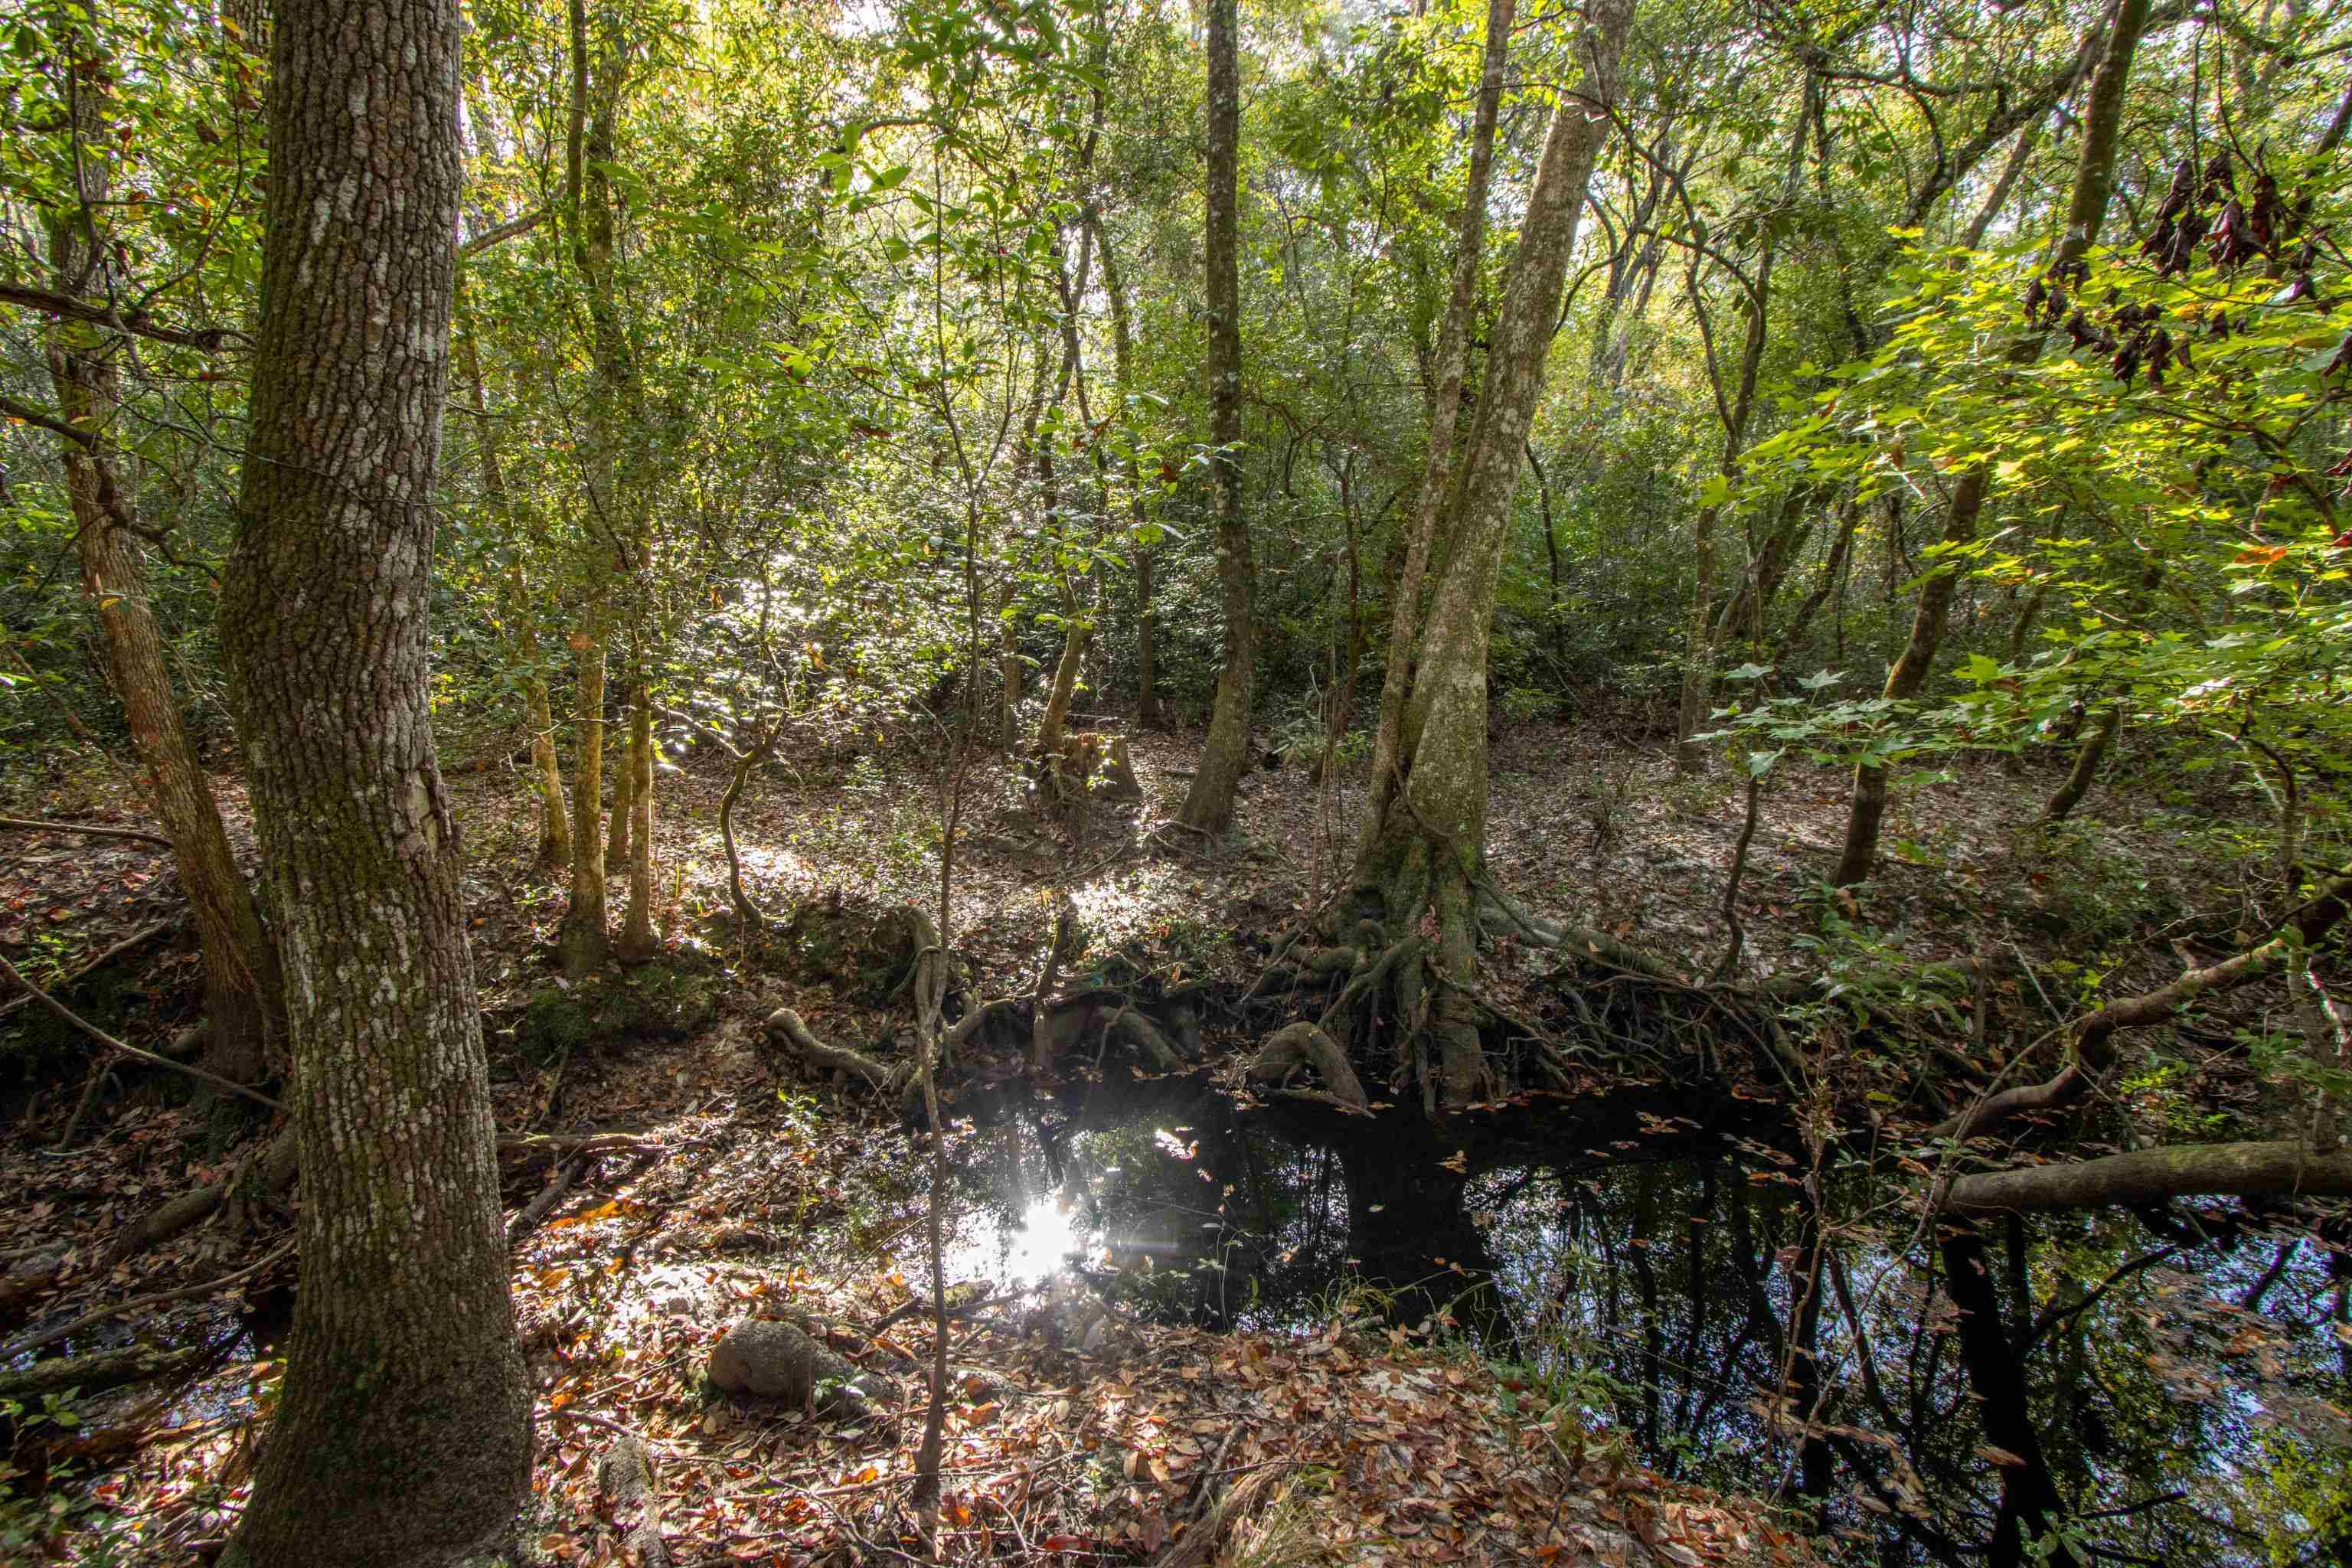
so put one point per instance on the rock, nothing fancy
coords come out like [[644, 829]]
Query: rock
[[765, 1358]]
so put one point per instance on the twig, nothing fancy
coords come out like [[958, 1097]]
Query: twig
[[161, 1297], [35, 824], [95, 1033]]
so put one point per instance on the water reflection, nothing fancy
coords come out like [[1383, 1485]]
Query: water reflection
[[2166, 1388]]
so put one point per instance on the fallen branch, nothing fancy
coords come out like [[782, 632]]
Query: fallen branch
[[527, 1220], [35, 824], [624, 1474], [139, 937], [282, 1163], [49, 1337], [279, 1165], [2091, 1040], [2150, 1176], [98, 1372], [35, 994]]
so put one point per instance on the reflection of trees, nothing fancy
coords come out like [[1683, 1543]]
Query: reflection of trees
[[2169, 1379]]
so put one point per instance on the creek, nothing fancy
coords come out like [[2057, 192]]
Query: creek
[[1670, 1269]]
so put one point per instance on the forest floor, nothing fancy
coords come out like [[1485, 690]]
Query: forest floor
[[1078, 1432]]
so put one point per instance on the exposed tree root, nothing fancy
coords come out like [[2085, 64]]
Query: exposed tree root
[[625, 1475], [1304, 1045], [785, 1028]]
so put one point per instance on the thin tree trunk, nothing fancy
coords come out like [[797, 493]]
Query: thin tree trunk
[[402, 1435], [243, 997], [624, 780], [523, 622], [1147, 653], [584, 941], [1209, 805], [2093, 183], [637, 940], [1704, 638], [2087, 765]]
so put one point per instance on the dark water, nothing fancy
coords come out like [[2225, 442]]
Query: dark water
[[2185, 1378]]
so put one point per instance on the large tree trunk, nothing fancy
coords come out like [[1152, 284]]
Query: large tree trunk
[[1422, 860], [1453, 360], [403, 1436], [1209, 806], [244, 1001], [2094, 177]]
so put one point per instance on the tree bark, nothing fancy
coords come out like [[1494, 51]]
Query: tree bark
[[1209, 805], [244, 997], [2153, 1176], [1423, 846], [1445, 408], [584, 941], [1122, 345], [637, 940], [2094, 177], [2087, 765], [403, 1436], [624, 782]]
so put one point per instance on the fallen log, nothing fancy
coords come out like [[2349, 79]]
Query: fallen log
[[2151, 1175], [139, 937], [98, 1371], [49, 1337], [282, 1163]]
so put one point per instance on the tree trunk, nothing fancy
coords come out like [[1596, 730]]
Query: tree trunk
[[2093, 183], [624, 780], [554, 820], [1122, 343], [244, 997], [523, 622], [2087, 765], [403, 1436], [1422, 860], [1446, 408], [638, 941], [584, 942], [1209, 806], [1704, 637], [1008, 664]]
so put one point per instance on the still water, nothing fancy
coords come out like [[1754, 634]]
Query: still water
[[1680, 1274]]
